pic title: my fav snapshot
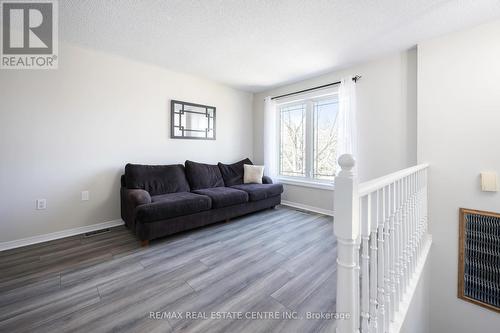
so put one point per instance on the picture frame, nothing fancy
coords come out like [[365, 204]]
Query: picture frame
[[192, 121]]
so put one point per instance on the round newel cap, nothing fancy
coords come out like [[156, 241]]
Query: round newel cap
[[346, 161]]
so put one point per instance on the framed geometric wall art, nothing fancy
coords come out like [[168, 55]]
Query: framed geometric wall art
[[192, 121]]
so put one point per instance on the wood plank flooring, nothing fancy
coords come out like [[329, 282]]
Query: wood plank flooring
[[261, 273]]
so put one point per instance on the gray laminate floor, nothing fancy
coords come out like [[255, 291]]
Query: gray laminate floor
[[259, 273]]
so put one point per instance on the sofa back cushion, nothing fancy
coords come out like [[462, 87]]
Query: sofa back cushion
[[202, 176], [233, 173], [156, 179]]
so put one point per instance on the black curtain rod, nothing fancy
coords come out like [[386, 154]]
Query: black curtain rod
[[355, 79]]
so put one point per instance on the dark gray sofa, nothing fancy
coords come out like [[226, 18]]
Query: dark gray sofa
[[160, 200]]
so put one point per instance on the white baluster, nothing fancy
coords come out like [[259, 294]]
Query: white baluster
[[414, 225], [346, 228], [415, 222], [357, 289], [424, 215], [365, 262], [392, 247], [420, 212], [380, 263], [373, 203], [410, 226], [405, 233], [397, 243], [387, 258], [424, 203], [401, 238], [426, 209], [410, 229], [381, 237]]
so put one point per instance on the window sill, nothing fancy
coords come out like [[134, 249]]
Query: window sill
[[306, 183]]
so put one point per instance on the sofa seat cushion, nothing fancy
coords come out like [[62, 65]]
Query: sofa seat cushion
[[170, 205], [202, 175], [224, 196], [260, 191]]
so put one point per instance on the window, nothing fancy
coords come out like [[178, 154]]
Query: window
[[308, 138], [293, 140]]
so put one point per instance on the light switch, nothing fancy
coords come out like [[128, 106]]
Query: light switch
[[41, 204], [85, 195], [489, 182]]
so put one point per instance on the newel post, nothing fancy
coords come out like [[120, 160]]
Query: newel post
[[346, 229]]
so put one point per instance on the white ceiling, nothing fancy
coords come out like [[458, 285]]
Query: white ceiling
[[258, 44]]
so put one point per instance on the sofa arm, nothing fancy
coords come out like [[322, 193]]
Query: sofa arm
[[137, 197], [267, 180], [130, 199]]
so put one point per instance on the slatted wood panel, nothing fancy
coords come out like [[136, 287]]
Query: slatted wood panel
[[479, 258], [276, 260]]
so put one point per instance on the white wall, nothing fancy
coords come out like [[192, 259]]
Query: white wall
[[458, 134], [72, 129], [386, 95]]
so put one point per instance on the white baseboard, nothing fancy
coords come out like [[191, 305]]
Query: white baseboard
[[307, 207], [59, 234]]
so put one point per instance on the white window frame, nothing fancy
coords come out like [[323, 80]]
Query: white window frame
[[310, 98]]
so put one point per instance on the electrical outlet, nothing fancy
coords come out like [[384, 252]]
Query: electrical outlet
[[85, 195], [41, 204]]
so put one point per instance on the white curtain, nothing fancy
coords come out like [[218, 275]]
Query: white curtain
[[347, 133], [270, 138]]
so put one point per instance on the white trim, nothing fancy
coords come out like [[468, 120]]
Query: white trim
[[404, 305], [58, 234], [306, 183], [378, 183], [307, 207]]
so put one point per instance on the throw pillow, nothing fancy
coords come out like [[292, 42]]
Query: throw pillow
[[233, 173], [252, 174], [200, 175]]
